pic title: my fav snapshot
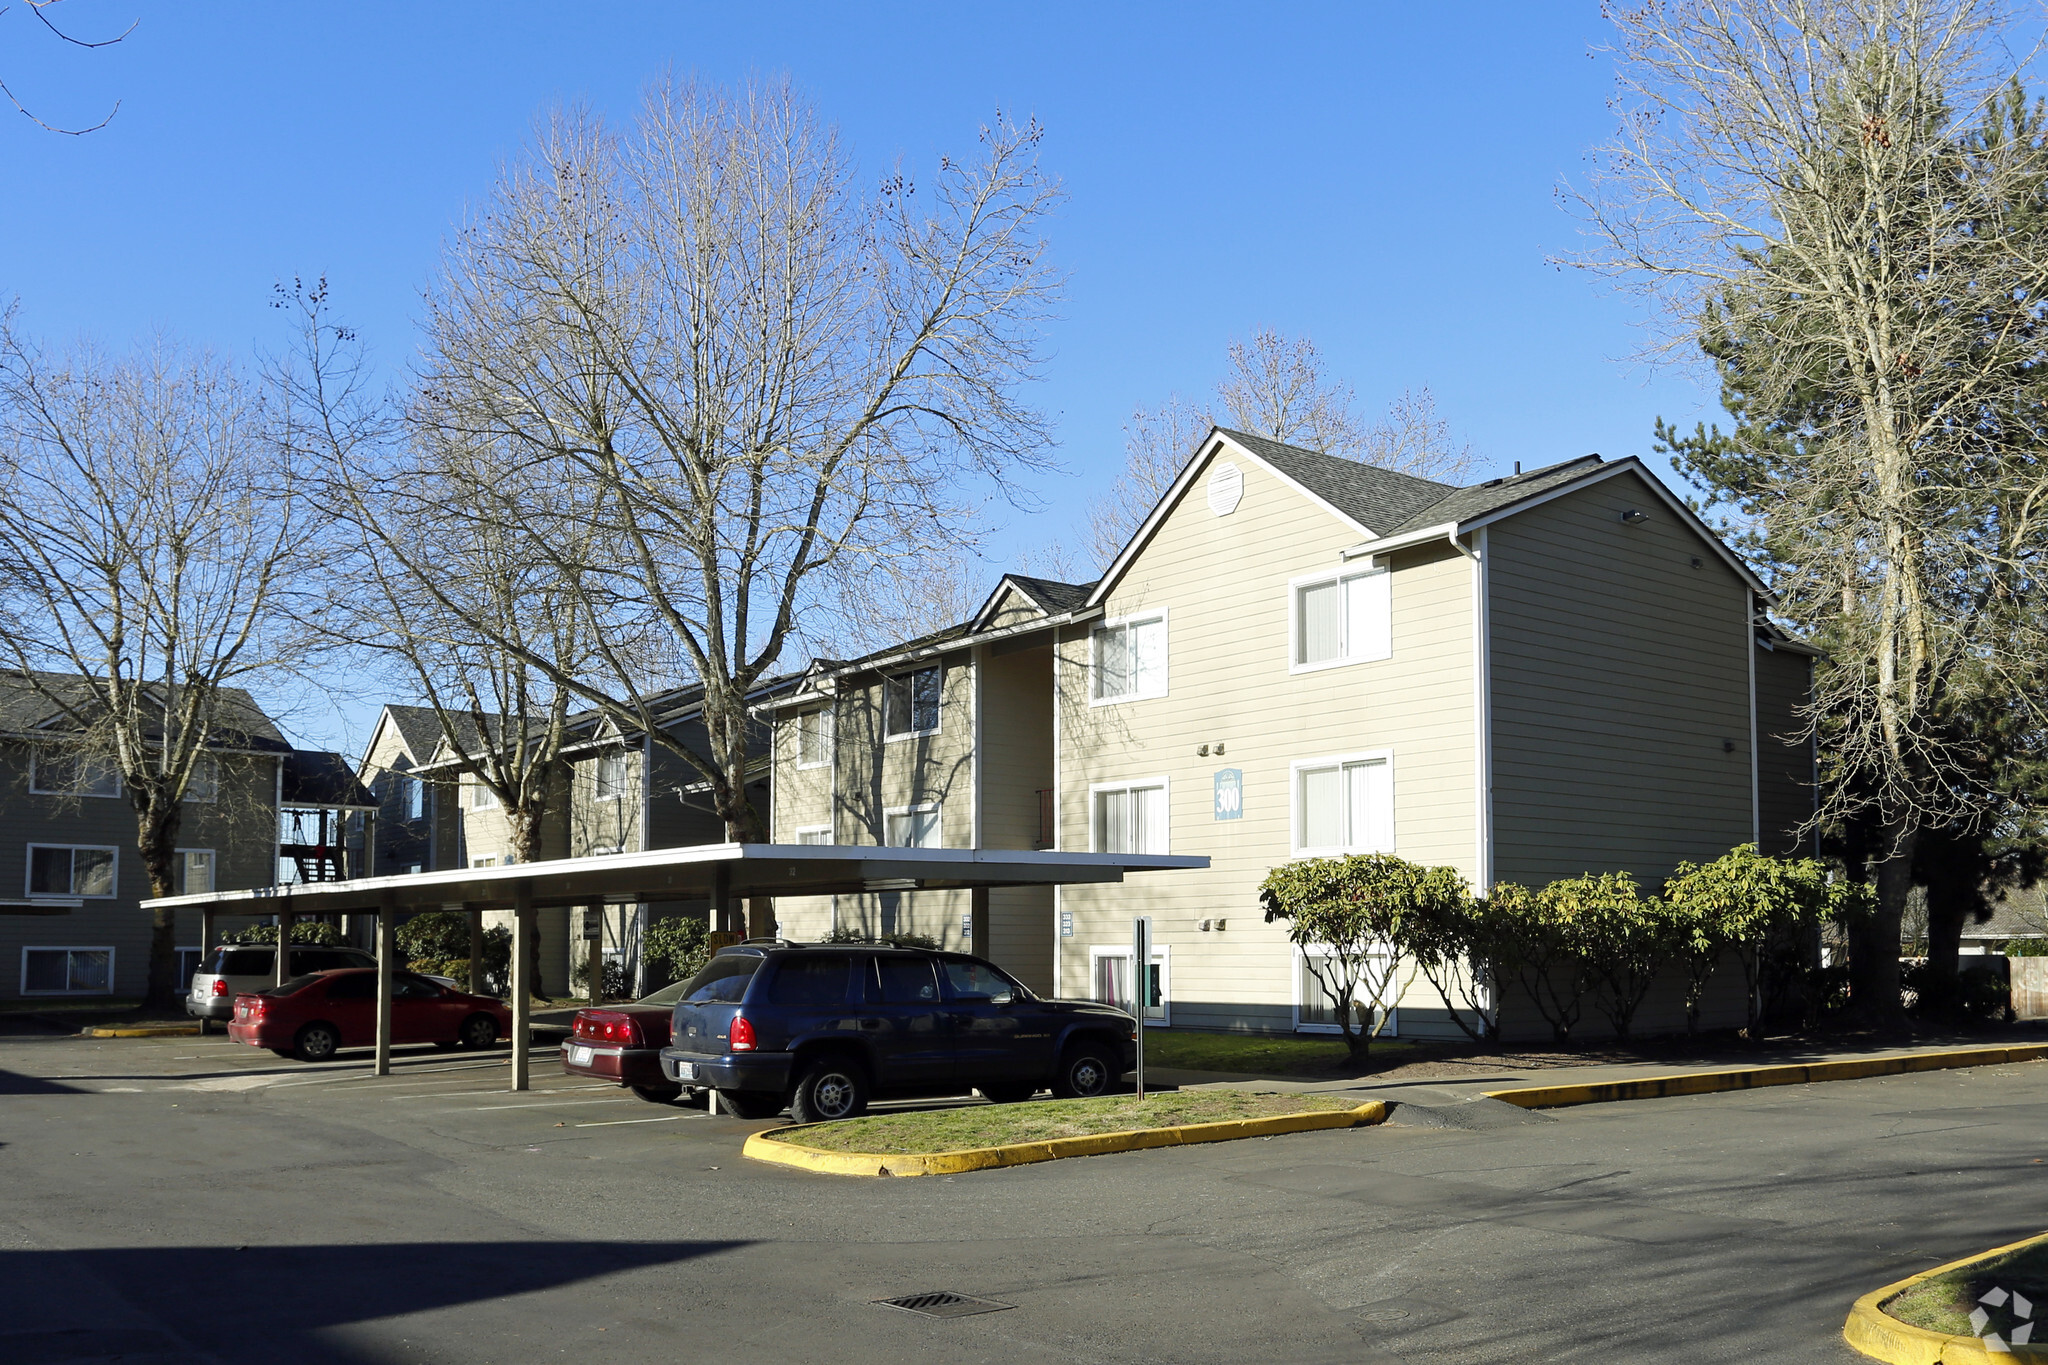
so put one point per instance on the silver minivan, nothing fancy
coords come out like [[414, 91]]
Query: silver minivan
[[237, 968]]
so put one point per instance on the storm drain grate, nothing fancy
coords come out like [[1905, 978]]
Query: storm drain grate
[[943, 1303]]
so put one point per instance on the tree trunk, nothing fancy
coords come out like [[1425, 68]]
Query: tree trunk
[[156, 841], [1874, 940]]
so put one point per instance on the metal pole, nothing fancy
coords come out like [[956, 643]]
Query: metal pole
[[721, 897], [476, 948], [593, 934], [387, 960], [1141, 982], [522, 978], [284, 947], [978, 921]]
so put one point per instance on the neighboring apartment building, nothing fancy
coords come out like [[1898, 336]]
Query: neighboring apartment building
[[1541, 675], [70, 876], [618, 792]]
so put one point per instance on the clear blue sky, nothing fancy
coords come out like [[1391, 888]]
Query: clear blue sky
[[1379, 176]]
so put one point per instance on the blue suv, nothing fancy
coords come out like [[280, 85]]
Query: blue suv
[[823, 1028]]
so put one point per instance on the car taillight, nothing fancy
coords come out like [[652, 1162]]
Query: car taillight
[[220, 987], [742, 1037]]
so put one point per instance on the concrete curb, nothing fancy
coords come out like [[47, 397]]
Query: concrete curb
[[1756, 1077], [142, 1031], [1877, 1334], [764, 1146]]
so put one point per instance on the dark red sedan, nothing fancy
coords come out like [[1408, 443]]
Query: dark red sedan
[[314, 1016], [623, 1043]]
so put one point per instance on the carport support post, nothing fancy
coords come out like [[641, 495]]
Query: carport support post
[[476, 948], [593, 932], [522, 978], [721, 897], [977, 916], [284, 946], [387, 954]]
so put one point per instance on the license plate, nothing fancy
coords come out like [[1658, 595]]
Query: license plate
[[579, 1056], [686, 1071]]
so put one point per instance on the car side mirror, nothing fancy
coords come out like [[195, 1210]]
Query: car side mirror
[[1006, 998]]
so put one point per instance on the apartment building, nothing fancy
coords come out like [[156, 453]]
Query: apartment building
[[1296, 655]]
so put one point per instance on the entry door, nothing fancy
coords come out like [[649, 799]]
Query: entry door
[[904, 1022]]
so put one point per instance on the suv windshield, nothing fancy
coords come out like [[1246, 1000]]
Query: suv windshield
[[723, 980], [667, 995]]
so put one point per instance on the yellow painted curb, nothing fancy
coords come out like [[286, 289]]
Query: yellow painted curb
[[143, 1031], [765, 1147], [1876, 1333], [1756, 1077]]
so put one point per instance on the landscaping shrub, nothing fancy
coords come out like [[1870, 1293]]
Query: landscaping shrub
[[617, 981], [316, 933], [437, 944], [674, 949], [847, 934]]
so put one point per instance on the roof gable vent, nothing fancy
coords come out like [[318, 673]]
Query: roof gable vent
[[1226, 489]]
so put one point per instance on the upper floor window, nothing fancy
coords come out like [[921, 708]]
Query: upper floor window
[[1344, 805], [1129, 659], [814, 834], [481, 797], [910, 703], [1343, 619], [204, 784], [814, 735], [1131, 817], [192, 871], [63, 871], [613, 775], [412, 798], [914, 826], [61, 772], [484, 860]]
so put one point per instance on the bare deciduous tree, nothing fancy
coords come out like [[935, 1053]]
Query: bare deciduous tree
[[767, 380], [1274, 386], [150, 539], [39, 9], [1822, 194]]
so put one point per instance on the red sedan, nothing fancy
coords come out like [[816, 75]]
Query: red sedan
[[623, 1043], [312, 1017]]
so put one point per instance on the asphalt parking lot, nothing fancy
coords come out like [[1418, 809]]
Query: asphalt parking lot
[[186, 1199]]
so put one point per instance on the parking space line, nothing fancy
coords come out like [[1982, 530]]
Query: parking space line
[[665, 1118], [553, 1104]]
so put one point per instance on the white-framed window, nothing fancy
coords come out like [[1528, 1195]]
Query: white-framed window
[[484, 860], [910, 703], [67, 971], [67, 772], [188, 963], [1344, 804], [1129, 817], [814, 834], [70, 870], [814, 737], [1109, 976], [481, 797], [204, 784], [1313, 1012], [1127, 658], [611, 778], [412, 798], [913, 826], [1341, 618], [192, 871]]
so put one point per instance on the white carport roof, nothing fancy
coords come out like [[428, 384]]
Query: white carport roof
[[699, 872]]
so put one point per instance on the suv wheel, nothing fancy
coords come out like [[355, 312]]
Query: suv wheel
[[316, 1043], [479, 1031], [834, 1088], [659, 1094], [1085, 1072]]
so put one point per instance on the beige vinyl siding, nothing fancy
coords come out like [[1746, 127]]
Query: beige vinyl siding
[[1016, 758], [1785, 790], [803, 799], [1015, 610], [1225, 584], [386, 768], [611, 825], [1619, 693]]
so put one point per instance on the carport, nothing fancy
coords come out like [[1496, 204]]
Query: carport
[[722, 874]]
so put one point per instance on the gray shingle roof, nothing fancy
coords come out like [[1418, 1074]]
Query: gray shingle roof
[[27, 706], [1481, 499], [1376, 498], [1052, 595], [420, 728]]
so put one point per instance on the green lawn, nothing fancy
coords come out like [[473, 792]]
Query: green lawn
[[1264, 1055], [1944, 1303], [993, 1125]]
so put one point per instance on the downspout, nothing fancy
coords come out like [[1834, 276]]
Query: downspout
[[1482, 708]]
